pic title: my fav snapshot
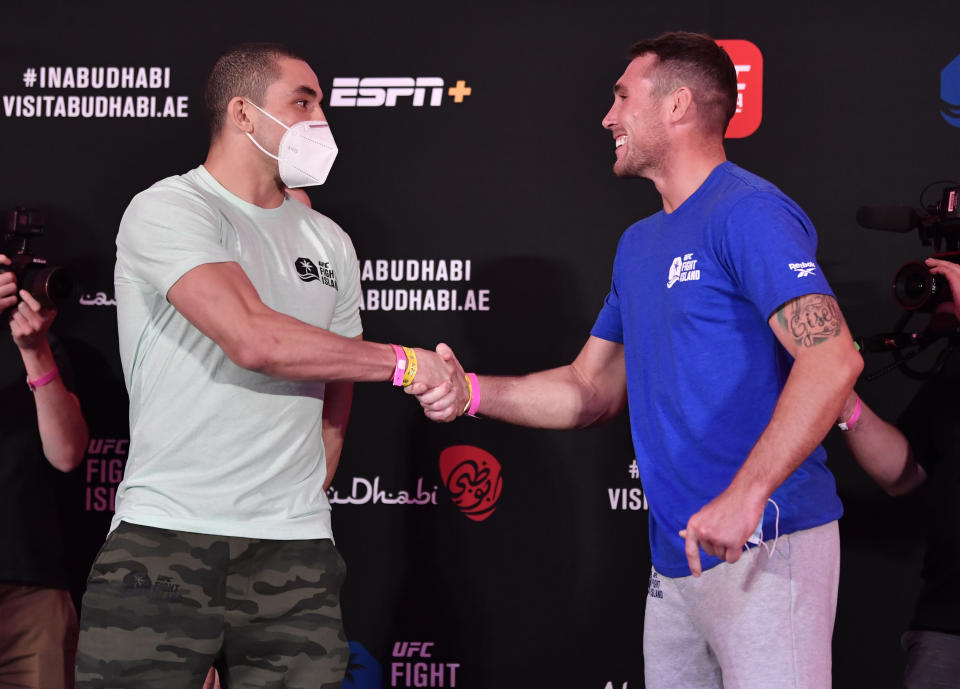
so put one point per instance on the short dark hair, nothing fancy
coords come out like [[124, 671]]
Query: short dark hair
[[244, 70], [696, 61]]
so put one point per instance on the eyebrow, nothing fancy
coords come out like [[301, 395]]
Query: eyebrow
[[619, 88], [305, 91]]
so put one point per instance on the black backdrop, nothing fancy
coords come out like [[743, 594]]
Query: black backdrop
[[548, 588]]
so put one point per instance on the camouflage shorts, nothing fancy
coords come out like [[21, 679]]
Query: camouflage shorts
[[162, 606]]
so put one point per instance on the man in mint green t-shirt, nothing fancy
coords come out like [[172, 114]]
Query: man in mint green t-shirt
[[240, 338]]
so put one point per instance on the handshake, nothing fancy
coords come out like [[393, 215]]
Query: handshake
[[439, 383]]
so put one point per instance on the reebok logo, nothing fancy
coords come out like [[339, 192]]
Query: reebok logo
[[804, 269]]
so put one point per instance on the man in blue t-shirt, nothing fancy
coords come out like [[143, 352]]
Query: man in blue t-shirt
[[726, 339]]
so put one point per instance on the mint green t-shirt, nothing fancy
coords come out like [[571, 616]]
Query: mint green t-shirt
[[216, 448]]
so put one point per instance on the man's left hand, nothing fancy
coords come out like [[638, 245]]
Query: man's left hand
[[721, 528]]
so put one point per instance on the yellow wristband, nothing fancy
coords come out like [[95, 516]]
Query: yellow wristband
[[411, 372]]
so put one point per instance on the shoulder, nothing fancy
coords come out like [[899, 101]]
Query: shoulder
[[323, 226], [749, 194], [641, 230], [748, 208], [322, 223], [176, 194]]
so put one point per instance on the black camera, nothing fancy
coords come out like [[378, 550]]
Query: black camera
[[50, 285], [915, 288]]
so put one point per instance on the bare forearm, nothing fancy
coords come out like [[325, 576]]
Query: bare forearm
[[588, 392], [807, 408], [883, 452], [222, 303], [63, 431], [284, 347], [558, 398]]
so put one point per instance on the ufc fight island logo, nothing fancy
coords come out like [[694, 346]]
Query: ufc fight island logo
[[748, 61], [376, 92], [308, 271], [683, 269]]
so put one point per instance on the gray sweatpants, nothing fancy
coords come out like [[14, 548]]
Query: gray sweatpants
[[760, 623]]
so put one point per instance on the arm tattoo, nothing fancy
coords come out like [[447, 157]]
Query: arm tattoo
[[811, 319]]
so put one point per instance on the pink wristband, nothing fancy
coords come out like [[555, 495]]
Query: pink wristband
[[44, 379], [401, 365], [848, 424], [475, 398]]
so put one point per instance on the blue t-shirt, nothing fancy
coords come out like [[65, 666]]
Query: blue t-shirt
[[691, 296]]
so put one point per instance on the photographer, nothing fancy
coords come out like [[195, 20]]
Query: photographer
[[923, 449], [42, 430]]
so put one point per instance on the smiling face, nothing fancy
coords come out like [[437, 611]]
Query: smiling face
[[636, 120]]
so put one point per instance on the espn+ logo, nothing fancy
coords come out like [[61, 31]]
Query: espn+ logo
[[377, 92]]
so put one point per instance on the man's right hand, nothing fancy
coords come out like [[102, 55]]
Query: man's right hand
[[443, 398]]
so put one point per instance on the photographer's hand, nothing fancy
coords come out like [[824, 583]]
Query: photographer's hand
[[29, 323], [8, 286], [951, 271], [63, 431]]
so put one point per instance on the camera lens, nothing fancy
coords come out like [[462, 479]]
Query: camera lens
[[51, 285], [915, 288]]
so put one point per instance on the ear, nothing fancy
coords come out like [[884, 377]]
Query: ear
[[237, 114], [680, 101]]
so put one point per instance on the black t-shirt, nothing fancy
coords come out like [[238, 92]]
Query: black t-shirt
[[31, 544], [931, 422]]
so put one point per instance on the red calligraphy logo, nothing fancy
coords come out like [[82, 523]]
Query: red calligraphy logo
[[473, 478]]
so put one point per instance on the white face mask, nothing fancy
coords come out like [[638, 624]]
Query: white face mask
[[306, 152]]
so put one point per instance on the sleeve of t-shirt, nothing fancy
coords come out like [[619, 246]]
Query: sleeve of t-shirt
[[166, 232], [769, 246], [346, 316], [609, 325]]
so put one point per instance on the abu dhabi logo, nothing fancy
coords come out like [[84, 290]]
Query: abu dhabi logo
[[473, 478], [950, 92], [377, 92]]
